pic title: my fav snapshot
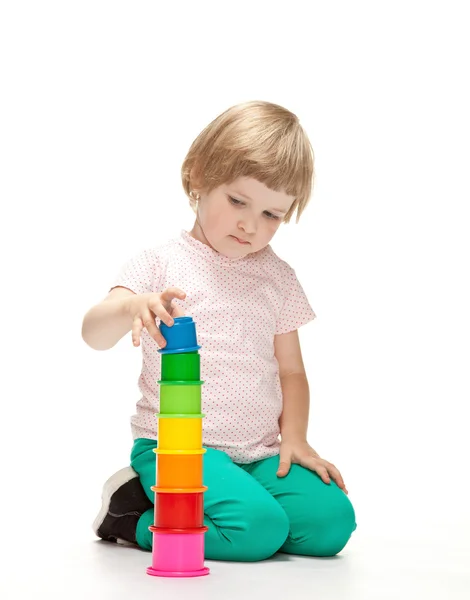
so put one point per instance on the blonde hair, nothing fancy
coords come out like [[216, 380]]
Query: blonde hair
[[255, 139]]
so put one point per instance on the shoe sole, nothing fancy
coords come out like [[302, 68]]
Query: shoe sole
[[110, 487]]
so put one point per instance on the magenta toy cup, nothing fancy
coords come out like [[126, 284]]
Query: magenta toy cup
[[178, 553]]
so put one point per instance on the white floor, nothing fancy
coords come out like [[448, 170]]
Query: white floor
[[430, 566]]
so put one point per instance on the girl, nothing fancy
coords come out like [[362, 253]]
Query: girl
[[246, 173]]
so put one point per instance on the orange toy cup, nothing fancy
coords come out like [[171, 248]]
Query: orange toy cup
[[179, 470]]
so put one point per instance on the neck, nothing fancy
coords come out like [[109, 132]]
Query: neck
[[198, 234]]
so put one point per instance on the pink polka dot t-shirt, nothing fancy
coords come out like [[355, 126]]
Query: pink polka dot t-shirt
[[238, 305]]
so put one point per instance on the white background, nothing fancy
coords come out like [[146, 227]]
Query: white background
[[100, 102]]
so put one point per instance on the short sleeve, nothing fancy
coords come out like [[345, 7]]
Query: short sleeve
[[296, 310], [141, 274]]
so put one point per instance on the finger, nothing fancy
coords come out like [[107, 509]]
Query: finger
[[170, 293], [137, 327], [323, 472], [176, 311], [149, 324], [336, 475], [284, 468], [314, 465], [159, 310]]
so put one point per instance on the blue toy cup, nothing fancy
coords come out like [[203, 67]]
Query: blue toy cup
[[180, 337]]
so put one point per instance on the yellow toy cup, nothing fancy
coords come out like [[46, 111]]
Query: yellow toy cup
[[180, 432]]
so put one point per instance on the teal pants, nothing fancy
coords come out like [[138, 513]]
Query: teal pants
[[252, 514]]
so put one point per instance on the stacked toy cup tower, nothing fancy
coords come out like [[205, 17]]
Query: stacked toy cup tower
[[178, 529]]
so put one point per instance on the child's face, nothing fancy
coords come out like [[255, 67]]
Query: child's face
[[241, 217]]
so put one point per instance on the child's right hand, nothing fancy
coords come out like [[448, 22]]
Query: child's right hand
[[144, 307]]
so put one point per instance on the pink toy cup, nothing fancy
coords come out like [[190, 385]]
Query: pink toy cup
[[179, 554]]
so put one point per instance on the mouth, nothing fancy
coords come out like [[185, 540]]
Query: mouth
[[240, 241]]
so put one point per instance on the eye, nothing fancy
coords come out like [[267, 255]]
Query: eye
[[271, 216], [235, 202]]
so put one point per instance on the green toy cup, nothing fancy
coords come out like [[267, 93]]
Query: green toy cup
[[180, 397], [181, 367]]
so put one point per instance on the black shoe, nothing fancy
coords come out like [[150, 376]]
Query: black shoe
[[123, 502]]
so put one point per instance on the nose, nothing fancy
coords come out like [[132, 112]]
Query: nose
[[248, 225]]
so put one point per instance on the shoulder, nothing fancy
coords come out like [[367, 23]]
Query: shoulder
[[272, 263], [160, 253]]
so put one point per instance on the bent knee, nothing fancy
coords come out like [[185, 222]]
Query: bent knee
[[267, 529], [256, 535], [324, 531]]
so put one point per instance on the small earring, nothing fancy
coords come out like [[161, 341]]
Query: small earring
[[194, 196]]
